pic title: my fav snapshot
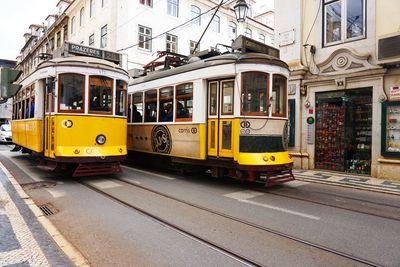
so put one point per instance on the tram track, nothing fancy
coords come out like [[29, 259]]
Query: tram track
[[174, 227], [226, 216], [338, 206]]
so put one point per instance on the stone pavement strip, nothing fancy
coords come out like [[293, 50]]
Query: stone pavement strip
[[348, 180], [27, 237]]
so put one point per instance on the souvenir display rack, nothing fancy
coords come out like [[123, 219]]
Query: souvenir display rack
[[330, 137]]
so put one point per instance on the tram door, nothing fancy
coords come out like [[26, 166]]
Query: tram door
[[220, 118], [49, 120]]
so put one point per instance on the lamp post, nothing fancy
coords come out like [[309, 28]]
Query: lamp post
[[241, 10]]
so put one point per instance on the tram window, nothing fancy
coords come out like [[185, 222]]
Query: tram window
[[121, 98], [150, 106], [278, 98], [137, 107], [129, 108], [184, 102], [213, 98], [71, 94], [227, 98], [166, 104], [254, 93], [100, 94]]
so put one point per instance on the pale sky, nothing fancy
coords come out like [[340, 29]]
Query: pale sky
[[15, 18]]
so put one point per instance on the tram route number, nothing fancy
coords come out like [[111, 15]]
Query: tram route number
[[192, 130]]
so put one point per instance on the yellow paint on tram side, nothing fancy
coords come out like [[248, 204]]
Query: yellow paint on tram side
[[28, 134]]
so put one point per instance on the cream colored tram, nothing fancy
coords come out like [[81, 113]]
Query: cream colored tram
[[71, 112], [226, 113]]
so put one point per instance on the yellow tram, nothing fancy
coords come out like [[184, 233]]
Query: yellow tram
[[226, 113], [71, 112]]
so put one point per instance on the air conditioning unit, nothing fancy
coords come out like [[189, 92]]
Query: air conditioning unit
[[389, 49]]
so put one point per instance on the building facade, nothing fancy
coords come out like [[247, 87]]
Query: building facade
[[133, 29], [344, 85], [139, 29]]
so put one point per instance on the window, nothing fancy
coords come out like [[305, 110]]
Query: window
[[100, 94], [103, 40], [227, 98], [58, 38], [344, 20], [213, 98], [137, 107], [120, 109], [82, 17], [215, 24], [150, 101], [91, 40], [261, 38], [166, 104], [92, 7], [232, 30], [72, 25], [248, 33], [195, 13], [71, 92], [172, 7], [65, 32], [192, 46], [254, 93], [184, 102], [129, 108], [146, 2], [145, 38], [172, 43], [278, 97]]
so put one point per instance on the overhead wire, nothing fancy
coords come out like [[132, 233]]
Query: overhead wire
[[172, 29]]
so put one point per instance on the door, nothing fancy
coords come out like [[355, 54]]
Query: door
[[220, 118], [49, 120]]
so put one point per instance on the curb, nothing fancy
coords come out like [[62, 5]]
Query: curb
[[70, 251], [360, 186]]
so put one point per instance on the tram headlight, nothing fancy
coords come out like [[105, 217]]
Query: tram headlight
[[101, 139]]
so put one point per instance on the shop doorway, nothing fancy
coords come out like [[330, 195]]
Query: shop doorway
[[343, 136]]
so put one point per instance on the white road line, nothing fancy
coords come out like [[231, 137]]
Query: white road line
[[56, 193], [243, 196], [105, 184], [149, 173]]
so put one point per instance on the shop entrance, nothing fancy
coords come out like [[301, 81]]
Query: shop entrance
[[343, 134]]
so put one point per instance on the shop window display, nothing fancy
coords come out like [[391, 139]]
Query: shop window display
[[391, 129]]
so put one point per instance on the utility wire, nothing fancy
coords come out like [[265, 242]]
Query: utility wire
[[172, 29]]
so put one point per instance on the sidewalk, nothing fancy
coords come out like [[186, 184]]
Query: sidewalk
[[27, 237], [348, 180]]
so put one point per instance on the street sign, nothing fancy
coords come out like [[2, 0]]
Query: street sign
[[7, 79]]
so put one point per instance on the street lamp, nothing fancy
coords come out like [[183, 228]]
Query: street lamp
[[241, 10]]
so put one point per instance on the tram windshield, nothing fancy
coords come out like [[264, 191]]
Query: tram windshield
[[100, 94], [72, 89], [121, 98], [254, 93]]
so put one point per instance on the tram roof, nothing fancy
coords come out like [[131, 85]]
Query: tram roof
[[82, 61], [212, 61]]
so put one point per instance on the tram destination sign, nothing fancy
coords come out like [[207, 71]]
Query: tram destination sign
[[92, 52]]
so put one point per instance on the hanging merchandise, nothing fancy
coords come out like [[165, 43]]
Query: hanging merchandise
[[344, 131]]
